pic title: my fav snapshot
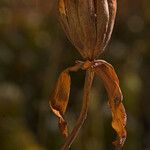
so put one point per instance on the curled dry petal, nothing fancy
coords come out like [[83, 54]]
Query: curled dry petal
[[60, 96], [88, 24], [107, 73], [59, 99]]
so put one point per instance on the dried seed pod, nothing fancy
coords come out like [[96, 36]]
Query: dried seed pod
[[88, 24]]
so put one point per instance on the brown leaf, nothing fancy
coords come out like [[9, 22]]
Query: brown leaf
[[59, 99], [107, 73]]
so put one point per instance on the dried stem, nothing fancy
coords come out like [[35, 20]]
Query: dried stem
[[87, 87]]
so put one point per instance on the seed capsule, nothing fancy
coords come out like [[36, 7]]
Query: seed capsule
[[88, 24]]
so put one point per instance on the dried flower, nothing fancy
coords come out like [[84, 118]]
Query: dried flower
[[88, 24]]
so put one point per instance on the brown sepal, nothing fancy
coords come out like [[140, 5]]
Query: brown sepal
[[107, 73]]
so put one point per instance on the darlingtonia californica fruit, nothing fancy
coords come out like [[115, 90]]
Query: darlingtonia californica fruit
[[88, 24]]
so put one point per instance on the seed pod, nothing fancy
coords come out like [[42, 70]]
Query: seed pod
[[88, 24]]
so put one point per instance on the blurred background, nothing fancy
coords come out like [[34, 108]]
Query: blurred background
[[34, 50]]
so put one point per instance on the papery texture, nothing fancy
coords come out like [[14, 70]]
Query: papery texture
[[60, 96], [59, 100], [88, 24], [107, 73]]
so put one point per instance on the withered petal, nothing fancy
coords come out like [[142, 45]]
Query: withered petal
[[106, 72], [59, 100]]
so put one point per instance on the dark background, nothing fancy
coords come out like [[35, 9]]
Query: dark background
[[34, 50]]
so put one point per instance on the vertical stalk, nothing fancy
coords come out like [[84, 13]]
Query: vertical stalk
[[83, 114]]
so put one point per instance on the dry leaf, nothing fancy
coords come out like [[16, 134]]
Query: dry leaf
[[59, 99], [106, 72]]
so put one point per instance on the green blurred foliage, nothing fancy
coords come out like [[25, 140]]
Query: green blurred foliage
[[34, 50]]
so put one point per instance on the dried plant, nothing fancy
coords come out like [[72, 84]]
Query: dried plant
[[88, 24]]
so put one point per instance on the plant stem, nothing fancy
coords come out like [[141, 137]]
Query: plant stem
[[83, 114]]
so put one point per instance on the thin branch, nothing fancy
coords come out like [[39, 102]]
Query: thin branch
[[87, 88]]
